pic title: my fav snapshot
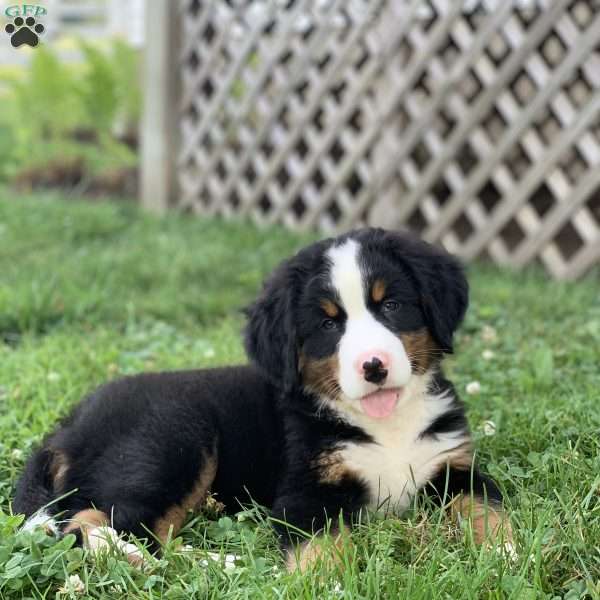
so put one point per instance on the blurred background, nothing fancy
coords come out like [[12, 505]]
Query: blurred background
[[70, 106], [474, 123]]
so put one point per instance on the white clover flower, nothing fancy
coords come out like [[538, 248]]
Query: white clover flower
[[53, 376], [228, 564], [116, 589], [488, 354], [73, 585], [489, 334], [473, 388], [489, 428]]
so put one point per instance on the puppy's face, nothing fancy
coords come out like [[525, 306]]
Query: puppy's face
[[363, 313], [362, 329]]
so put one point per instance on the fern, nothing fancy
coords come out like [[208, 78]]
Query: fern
[[97, 89], [57, 112], [125, 64]]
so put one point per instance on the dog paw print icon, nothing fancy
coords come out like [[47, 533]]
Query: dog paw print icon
[[24, 31]]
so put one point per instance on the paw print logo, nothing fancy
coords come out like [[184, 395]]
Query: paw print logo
[[24, 31]]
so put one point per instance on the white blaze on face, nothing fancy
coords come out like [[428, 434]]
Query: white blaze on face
[[363, 334]]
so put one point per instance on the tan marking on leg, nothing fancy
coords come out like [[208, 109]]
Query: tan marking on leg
[[378, 290], [331, 468], [461, 457], [331, 308], [321, 376], [488, 520], [317, 550], [175, 516], [421, 349], [59, 465], [85, 520]]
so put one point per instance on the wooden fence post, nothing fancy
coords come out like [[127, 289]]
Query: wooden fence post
[[159, 129]]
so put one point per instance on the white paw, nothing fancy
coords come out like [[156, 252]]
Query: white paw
[[508, 550], [41, 519], [102, 539]]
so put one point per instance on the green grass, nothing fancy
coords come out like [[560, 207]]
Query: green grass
[[89, 292]]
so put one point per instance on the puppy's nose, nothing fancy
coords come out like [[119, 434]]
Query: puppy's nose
[[375, 368]]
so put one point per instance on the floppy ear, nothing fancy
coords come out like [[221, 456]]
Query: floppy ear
[[445, 296], [443, 287], [270, 335]]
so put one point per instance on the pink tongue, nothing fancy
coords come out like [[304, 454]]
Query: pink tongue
[[380, 404]]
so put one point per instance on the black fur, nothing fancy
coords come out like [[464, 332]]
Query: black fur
[[135, 447], [438, 279], [452, 420], [452, 482], [271, 334]]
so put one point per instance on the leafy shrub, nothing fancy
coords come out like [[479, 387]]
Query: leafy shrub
[[65, 124]]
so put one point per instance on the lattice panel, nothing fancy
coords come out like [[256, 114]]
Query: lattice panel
[[479, 128]]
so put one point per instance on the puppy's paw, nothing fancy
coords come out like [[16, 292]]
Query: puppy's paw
[[41, 520], [103, 539], [508, 550]]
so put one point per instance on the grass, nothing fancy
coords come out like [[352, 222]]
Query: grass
[[90, 292]]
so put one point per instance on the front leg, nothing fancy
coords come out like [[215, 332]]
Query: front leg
[[474, 496], [316, 502]]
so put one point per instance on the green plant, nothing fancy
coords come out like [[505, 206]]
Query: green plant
[[70, 116], [97, 89], [125, 64]]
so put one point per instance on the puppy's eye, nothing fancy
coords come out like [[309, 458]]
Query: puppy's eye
[[390, 305], [328, 324]]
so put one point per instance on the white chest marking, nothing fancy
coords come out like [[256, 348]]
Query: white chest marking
[[399, 463]]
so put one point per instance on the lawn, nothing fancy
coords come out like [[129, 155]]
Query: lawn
[[89, 292]]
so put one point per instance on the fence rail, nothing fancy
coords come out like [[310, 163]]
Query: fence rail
[[475, 124]]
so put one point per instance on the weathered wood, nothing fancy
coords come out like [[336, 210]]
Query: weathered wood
[[484, 104], [521, 123], [160, 123], [522, 192], [479, 131]]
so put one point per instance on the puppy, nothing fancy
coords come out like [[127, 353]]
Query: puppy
[[344, 406]]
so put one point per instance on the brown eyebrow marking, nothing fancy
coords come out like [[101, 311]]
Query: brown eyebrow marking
[[331, 309], [378, 290]]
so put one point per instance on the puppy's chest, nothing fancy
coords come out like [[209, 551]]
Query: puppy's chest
[[397, 464]]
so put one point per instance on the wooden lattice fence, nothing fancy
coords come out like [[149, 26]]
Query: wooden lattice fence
[[476, 124]]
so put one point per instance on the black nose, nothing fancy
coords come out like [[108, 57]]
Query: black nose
[[374, 371]]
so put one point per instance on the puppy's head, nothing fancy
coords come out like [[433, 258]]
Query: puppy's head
[[354, 318]]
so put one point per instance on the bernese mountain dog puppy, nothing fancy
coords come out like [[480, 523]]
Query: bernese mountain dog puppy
[[344, 406]]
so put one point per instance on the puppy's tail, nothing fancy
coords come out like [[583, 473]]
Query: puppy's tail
[[35, 489]]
